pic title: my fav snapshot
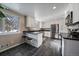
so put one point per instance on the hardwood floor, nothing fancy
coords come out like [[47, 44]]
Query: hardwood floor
[[27, 50], [21, 50]]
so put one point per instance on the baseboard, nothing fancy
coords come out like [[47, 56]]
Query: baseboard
[[10, 47]]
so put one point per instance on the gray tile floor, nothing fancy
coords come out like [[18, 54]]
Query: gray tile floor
[[28, 50]]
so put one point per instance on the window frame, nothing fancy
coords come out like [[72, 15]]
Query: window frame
[[7, 33]]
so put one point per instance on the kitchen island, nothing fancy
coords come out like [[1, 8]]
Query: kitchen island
[[33, 38]]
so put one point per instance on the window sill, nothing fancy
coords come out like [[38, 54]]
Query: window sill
[[9, 33]]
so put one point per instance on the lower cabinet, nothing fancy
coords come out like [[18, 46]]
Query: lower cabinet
[[36, 40], [71, 47]]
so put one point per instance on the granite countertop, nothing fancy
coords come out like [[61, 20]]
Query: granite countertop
[[31, 32], [37, 30], [34, 33], [69, 36]]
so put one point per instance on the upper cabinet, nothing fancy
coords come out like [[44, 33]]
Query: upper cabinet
[[69, 19], [75, 8], [31, 23]]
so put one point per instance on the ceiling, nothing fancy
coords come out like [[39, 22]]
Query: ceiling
[[41, 11]]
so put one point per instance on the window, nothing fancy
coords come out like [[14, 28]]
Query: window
[[1, 26], [9, 24]]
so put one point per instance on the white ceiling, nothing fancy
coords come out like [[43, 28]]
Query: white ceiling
[[41, 11]]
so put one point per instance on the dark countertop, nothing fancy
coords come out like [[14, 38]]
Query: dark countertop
[[36, 30], [69, 36], [34, 33]]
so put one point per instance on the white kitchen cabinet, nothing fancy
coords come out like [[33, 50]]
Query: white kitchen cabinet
[[31, 22], [75, 8], [36, 39]]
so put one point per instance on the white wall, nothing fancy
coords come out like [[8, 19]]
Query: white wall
[[60, 21], [56, 21], [16, 38]]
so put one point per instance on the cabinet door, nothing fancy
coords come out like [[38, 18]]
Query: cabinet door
[[75, 12], [71, 47]]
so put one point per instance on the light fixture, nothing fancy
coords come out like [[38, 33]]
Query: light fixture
[[54, 7]]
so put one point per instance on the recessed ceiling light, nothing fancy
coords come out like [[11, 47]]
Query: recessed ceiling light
[[54, 7]]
